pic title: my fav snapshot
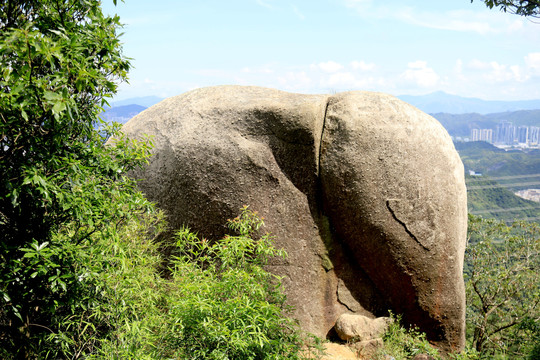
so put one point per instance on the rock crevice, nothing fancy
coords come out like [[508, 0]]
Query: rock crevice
[[389, 207]]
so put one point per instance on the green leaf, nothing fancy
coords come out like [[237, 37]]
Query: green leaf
[[42, 246], [52, 96], [6, 297], [59, 107]]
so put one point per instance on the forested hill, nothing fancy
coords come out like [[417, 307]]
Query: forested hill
[[503, 173], [490, 199], [489, 160], [461, 124]]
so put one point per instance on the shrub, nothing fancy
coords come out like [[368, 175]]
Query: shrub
[[217, 301], [503, 287], [225, 305], [401, 343]]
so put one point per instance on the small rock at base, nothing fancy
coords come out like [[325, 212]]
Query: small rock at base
[[361, 328]]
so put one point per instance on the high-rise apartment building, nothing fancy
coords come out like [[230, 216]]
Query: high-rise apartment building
[[508, 134], [505, 133], [534, 135], [482, 135]]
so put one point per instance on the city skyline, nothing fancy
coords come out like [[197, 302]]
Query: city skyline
[[507, 134]]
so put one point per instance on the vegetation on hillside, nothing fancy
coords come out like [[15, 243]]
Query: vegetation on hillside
[[79, 267], [61, 187], [491, 195], [489, 199], [479, 156]]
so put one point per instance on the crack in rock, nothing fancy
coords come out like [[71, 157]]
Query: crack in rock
[[404, 225]]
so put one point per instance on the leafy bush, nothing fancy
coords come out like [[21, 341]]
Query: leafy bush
[[503, 287], [217, 303], [62, 188], [84, 294], [401, 343], [225, 305]]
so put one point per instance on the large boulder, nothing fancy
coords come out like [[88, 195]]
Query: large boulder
[[365, 192]]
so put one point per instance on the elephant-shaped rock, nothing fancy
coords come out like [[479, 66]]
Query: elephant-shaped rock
[[365, 193]]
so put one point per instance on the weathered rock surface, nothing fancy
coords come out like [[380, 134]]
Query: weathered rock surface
[[365, 193], [393, 188], [360, 327], [334, 351], [368, 348]]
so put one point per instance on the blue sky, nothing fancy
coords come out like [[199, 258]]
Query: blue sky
[[326, 46]]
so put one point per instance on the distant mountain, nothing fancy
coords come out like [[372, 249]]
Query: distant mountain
[[441, 102], [145, 101], [122, 114], [122, 111], [461, 124]]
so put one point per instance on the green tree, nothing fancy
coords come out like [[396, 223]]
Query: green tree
[[503, 287], [60, 183], [520, 7]]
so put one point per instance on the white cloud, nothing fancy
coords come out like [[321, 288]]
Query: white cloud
[[345, 81], [532, 61], [419, 64], [361, 65], [464, 76], [258, 70], [420, 74], [482, 22], [494, 72], [476, 64], [458, 68], [329, 66], [340, 80], [516, 71], [295, 80], [462, 21]]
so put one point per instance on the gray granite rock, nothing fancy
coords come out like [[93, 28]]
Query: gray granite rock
[[364, 192]]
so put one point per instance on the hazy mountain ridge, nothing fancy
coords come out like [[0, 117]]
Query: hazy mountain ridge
[[441, 102], [145, 101], [122, 114], [457, 114], [461, 124], [437, 102]]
